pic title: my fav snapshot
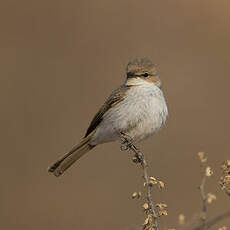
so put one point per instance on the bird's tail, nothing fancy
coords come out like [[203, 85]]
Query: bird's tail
[[59, 167]]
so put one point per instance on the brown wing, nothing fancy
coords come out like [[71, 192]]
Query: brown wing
[[114, 98]]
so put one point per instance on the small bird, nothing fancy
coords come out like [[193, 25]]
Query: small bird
[[137, 108]]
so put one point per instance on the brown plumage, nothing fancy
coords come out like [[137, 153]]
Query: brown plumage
[[70, 157], [83, 147], [116, 97], [136, 108]]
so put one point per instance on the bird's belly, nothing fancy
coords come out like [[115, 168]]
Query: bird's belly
[[149, 121], [144, 129], [138, 118]]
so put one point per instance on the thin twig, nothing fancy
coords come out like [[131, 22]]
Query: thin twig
[[203, 216], [204, 199], [212, 221], [203, 223], [209, 222], [139, 157]]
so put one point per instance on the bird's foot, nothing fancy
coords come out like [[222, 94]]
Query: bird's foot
[[126, 141], [127, 144]]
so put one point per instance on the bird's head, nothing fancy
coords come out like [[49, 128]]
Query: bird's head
[[142, 69]]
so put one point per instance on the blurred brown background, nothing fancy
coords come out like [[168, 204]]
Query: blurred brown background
[[60, 60]]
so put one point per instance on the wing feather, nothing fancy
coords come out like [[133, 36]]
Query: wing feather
[[116, 97]]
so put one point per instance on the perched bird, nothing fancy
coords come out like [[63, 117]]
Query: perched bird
[[137, 108]]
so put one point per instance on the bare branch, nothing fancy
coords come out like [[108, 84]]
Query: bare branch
[[212, 221], [139, 157], [206, 198], [203, 196]]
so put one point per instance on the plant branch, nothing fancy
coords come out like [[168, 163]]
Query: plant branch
[[204, 199], [212, 221], [139, 158], [205, 172]]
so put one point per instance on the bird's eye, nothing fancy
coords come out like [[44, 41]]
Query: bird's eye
[[145, 74]]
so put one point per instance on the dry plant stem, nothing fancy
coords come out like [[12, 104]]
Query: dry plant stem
[[212, 221], [203, 196], [139, 157]]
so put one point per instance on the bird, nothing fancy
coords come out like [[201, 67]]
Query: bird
[[137, 109]]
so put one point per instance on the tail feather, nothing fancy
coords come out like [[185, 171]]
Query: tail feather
[[61, 165]]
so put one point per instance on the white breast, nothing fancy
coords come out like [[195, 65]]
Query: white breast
[[142, 112]]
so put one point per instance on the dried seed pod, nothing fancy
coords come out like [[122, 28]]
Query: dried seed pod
[[161, 206], [202, 156], [163, 213], [136, 195], [181, 219], [161, 184], [208, 171], [145, 206], [210, 198]]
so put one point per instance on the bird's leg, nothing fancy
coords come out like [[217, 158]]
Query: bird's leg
[[127, 143]]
